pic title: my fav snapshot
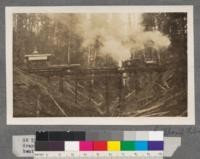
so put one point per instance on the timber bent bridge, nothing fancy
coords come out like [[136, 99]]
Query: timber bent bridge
[[77, 74]]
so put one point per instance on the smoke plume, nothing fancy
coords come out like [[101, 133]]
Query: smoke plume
[[119, 33]]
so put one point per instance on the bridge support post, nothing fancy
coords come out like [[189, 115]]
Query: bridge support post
[[107, 95], [38, 107], [90, 91], [120, 91], [48, 79], [61, 84], [136, 84], [76, 91]]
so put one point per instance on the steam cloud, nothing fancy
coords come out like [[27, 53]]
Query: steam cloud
[[119, 33]]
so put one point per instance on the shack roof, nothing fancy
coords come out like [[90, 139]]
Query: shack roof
[[35, 57]]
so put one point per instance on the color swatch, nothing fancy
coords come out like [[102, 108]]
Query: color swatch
[[141, 145], [113, 145], [127, 146], [100, 142], [100, 145], [86, 146]]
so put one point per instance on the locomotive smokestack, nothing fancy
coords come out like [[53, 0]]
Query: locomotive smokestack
[[124, 78], [120, 63]]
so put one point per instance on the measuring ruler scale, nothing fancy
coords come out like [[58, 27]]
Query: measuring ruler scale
[[48, 147], [91, 155]]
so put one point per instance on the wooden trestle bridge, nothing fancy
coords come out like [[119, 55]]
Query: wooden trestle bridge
[[89, 74]]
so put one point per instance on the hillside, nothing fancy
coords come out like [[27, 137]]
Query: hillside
[[38, 96]]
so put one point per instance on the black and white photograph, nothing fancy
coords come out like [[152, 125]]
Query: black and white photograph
[[86, 65]]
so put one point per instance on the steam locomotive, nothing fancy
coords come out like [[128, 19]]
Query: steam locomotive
[[148, 57]]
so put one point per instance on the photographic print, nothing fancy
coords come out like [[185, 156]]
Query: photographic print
[[128, 65]]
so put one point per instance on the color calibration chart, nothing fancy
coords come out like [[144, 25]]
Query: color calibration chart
[[99, 144]]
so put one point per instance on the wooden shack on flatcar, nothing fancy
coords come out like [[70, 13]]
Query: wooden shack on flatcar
[[37, 60]]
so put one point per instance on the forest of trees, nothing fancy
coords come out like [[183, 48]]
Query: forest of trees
[[60, 37], [38, 31], [57, 36], [174, 25]]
